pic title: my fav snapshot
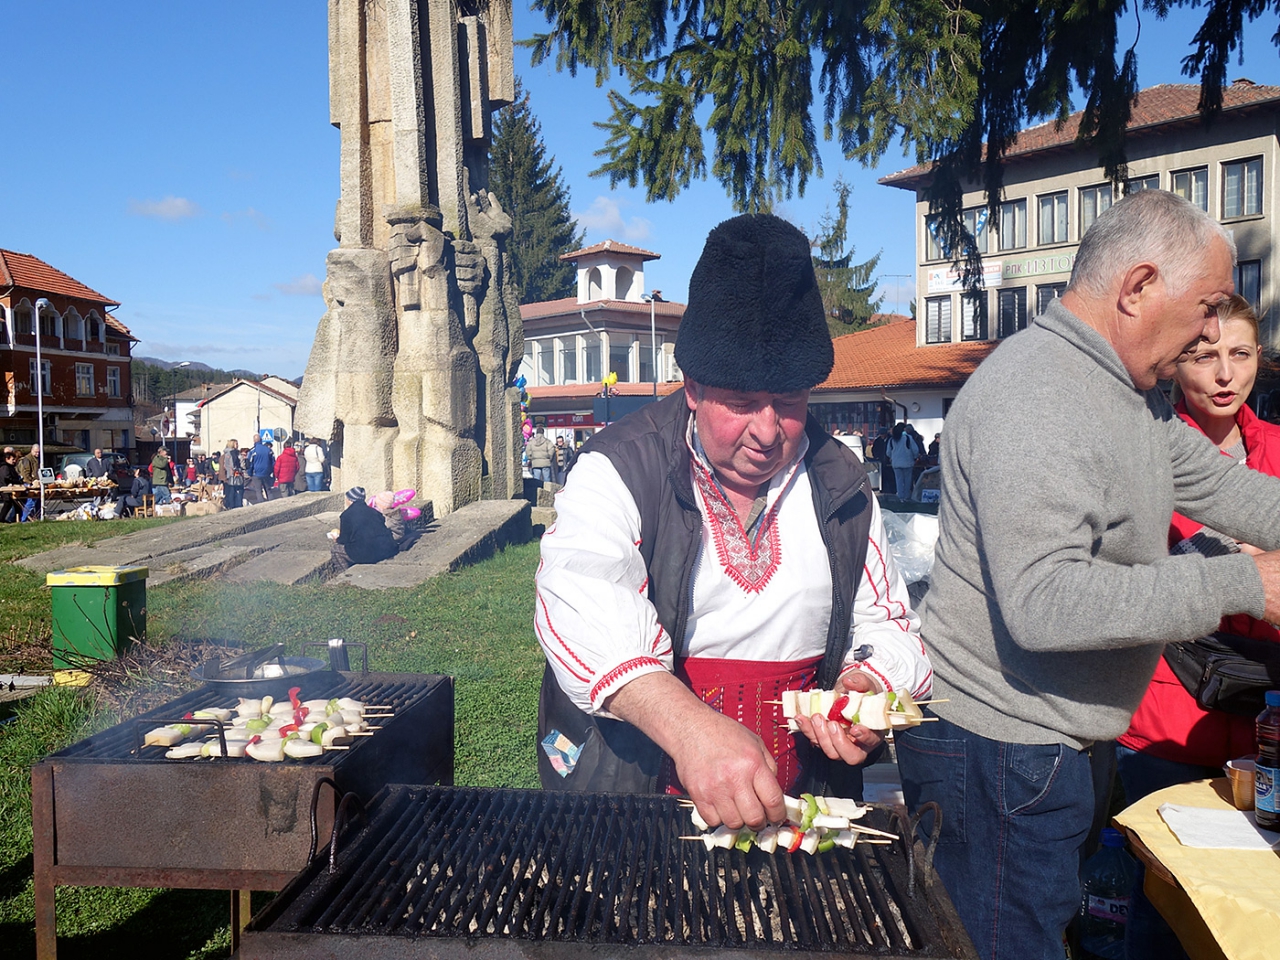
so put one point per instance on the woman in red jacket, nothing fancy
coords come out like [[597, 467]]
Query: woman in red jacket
[[1171, 738], [286, 468]]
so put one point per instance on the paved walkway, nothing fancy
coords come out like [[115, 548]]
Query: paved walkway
[[284, 541]]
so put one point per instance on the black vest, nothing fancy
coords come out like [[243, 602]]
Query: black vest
[[650, 453]]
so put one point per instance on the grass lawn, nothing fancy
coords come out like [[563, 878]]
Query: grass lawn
[[474, 625]]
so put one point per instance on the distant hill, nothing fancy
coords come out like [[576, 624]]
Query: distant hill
[[170, 364]]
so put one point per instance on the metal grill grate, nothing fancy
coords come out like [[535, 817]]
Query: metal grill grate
[[473, 864]]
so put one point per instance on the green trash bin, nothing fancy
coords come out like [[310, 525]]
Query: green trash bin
[[97, 611]]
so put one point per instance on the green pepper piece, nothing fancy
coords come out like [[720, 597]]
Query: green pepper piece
[[745, 839], [257, 726], [317, 733], [810, 810], [825, 845]]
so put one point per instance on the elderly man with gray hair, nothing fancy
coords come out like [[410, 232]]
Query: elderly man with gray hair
[[1053, 590]]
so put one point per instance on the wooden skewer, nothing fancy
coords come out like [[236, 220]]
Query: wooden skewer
[[942, 700], [689, 838], [360, 733], [334, 746], [877, 842], [772, 703], [377, 715], [879, 833], [378, 706]]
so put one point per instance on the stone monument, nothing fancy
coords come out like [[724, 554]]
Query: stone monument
[[409, 375]]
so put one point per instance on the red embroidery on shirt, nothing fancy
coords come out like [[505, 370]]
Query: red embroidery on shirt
[[621, 670], [749, 566], [884, 571], [546, 614]]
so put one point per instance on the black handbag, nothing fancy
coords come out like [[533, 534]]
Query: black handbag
[[1226, 672]]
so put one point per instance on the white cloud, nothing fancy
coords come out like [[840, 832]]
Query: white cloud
[[604, 216], [307, 285], [170, 208]]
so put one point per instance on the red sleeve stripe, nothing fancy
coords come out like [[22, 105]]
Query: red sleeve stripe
[[888, 614], [559, 659], [924, 685], [547, 616], [643, 586], [884, 571], [620, 671], [657, 640]]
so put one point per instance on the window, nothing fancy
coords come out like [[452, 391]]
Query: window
[[973, 317], [937, 320], [1138, 184], [1241, 188], [1053, 218], [546, 363], [1011, 311], [1046, 293], [645, 346], [84, 379], [74, 326], [975, 221], [48, 324], [95, 328], [1248, 280], [4, 327], [591, 358], [1094, 201], [46, 379], [595, 286], [932, 248], [620, 358], [1013, 225], [622, 283], [113, 349], [569, 360], [22, 321], [1193, 185], [113, 381]]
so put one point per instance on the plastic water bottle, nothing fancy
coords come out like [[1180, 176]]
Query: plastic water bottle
[[1266, 804], [1104, 905]]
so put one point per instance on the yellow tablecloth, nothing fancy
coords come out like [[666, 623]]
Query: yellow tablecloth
[[1237, 892]]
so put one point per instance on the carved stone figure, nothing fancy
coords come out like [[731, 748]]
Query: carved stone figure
[[408, 376]]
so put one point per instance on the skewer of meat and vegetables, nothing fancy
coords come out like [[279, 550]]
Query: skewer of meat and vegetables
[[266, 729], [814, 824]]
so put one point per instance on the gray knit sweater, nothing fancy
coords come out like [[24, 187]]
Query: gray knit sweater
[[1052, 589]]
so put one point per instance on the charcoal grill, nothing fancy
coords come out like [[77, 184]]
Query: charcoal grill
[[106, 813], [463, 872]]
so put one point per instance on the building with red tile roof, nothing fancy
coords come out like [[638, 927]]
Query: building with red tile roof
[[613, 327], [84, 355], [1054, 189]]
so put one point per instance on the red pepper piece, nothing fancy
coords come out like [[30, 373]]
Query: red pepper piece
[[796, 841], [300, 714], [837, 709], [293, 696], [255, 739], [188, 715], [287, 729]]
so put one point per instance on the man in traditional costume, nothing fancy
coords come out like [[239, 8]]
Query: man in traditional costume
[[714, 549]]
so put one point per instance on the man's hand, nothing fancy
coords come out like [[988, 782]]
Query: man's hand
[[1269, 569], [726, 768], [850, 744]]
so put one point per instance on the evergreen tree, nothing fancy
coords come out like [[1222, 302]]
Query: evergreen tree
[[531, 190], [846, 287], [954, 81]]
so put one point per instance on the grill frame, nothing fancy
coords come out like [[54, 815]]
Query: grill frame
[[525, 884], [225, 823]]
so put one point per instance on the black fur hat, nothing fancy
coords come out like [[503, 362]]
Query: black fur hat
[[755, 319]]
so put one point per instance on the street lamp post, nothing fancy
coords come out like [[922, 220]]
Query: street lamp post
[[651, 299], [41, 304]]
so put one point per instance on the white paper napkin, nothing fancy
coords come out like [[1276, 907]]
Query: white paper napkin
[[1216, 829]]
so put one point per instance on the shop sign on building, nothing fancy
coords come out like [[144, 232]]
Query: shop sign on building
[[1039, 266], [949, 278]]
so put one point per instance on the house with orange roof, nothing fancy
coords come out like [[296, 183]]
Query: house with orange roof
[[612, 326], [1054, 189], [882, 376], [84, 373]]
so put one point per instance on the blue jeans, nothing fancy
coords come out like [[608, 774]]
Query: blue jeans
[[1146, 934], [314, 481], [541, 473], [1014, 817], [161, 493], [902, 481]]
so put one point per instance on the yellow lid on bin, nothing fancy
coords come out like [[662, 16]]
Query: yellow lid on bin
[[94, 576]]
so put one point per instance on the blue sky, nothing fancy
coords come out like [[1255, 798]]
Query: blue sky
[[178, 157]]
